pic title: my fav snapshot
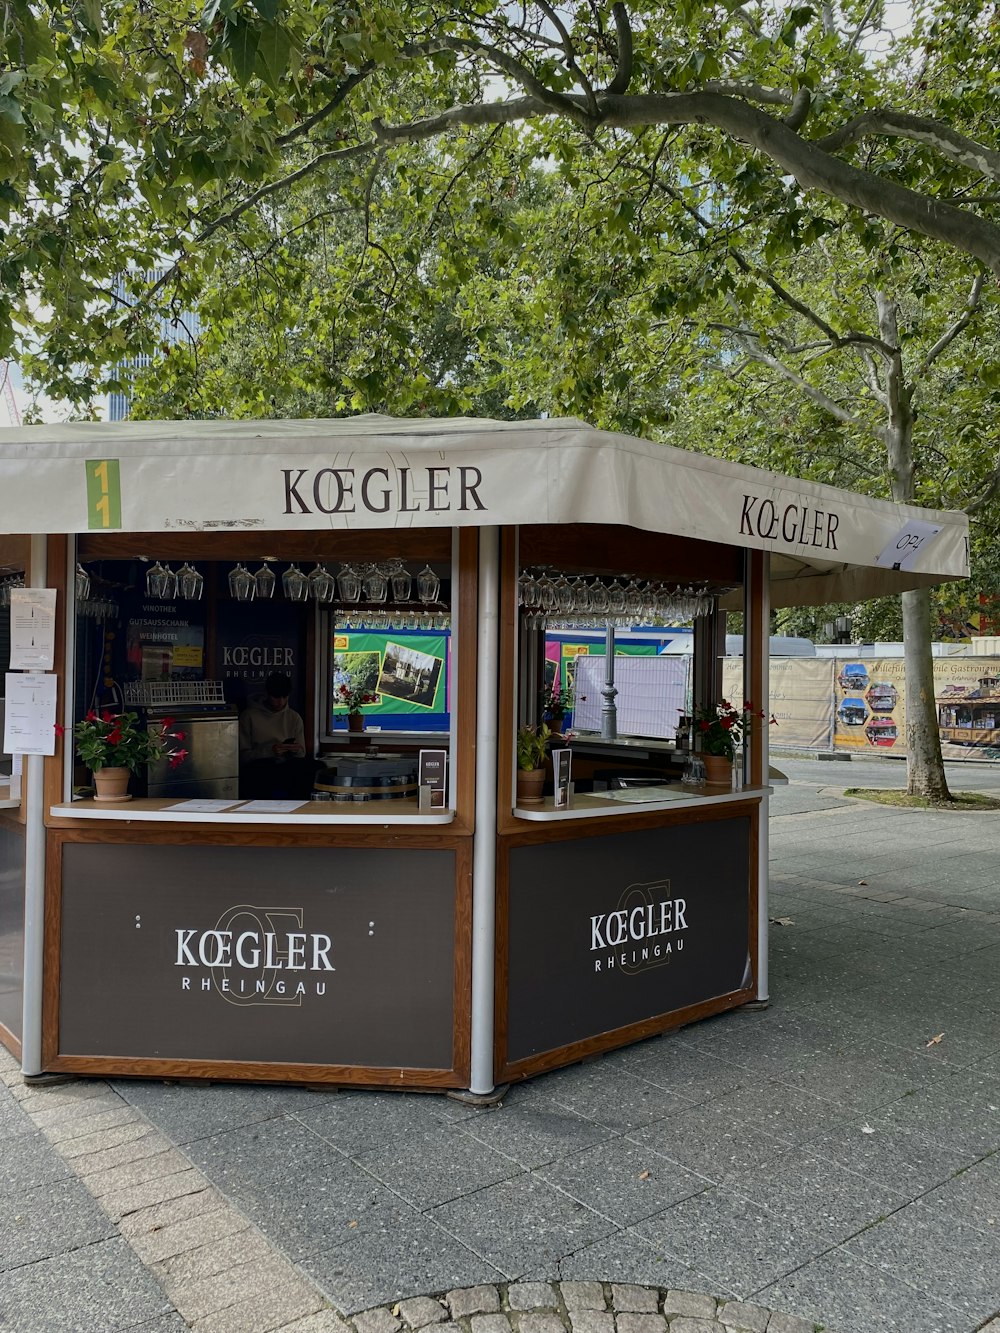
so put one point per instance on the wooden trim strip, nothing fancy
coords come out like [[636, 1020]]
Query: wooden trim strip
[[256, 1072], [8, 1039], [51, 949]]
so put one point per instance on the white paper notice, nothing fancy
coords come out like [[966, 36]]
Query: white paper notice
[[270, 807], [904, 548], [30, 716], [202, 807], [32, 629]]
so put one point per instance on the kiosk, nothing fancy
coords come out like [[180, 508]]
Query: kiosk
[[369, 936]]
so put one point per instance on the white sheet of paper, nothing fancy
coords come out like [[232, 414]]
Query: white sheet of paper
[[904, 548], [271, 807], [646, 795], [32, 629], [30, 715], [203, 807]]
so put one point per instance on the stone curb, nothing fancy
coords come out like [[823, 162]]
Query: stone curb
[[575, 1307]]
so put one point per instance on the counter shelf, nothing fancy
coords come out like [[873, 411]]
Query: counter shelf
[[141, 810], [588, 806]]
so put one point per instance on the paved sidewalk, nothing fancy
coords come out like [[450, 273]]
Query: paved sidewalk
[[833, 1161]]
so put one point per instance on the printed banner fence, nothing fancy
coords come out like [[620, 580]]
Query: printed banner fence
[[859, 704]]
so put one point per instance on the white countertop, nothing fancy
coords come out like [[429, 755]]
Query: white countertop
[[146, 810], [599, 807]]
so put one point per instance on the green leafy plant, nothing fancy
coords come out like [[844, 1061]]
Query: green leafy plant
[[531, 750], [120, 740]]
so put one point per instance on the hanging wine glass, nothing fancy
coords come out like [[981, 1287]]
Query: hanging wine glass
[[401, 581], [599, 598], [190, 584], [547, 600], [428, 585], [374, 585], [265, 579], [82, 584], [295, 585], [348, 585], [616, 598], [565, 599], [633, 602], [241, 584], [156, 581], [322, 585], [527, 586]]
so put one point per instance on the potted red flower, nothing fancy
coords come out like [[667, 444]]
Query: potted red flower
[[354, 698], [116, 745], [719, 730]]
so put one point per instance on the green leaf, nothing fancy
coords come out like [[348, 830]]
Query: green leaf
[[240, 49], [273, 49], [267, 9]]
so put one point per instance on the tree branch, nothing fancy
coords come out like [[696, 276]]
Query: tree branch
[[755, 352], [972, 304], [227, 219], [347, 87], [812, 166], [623, 73], [943, 139]]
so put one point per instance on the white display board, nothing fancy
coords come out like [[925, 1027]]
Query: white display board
[[652, 693]]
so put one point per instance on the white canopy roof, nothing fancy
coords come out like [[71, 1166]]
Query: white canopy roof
[[380, 472]]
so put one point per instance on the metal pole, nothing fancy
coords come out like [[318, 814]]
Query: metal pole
[[34, 872], [484, 841], [609, 713]]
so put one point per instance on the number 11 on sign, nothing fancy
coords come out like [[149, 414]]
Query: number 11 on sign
[[104, 498]]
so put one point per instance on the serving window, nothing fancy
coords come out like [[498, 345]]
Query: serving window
[[654, 603], [193, 628]]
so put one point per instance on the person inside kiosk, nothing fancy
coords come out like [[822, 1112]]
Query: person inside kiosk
[[273, 759]]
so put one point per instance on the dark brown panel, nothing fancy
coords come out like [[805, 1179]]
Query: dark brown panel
[[604, 938], [609, 1041], [258, 956], [606, 548], [14, 552], [380, 544]]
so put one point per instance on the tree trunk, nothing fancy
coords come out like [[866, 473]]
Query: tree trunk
[[924, 765], [925, 774]]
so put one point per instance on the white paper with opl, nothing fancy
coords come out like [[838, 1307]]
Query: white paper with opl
[[30, 714]]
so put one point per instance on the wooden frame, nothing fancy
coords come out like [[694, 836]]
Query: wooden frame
[[456, 1076]]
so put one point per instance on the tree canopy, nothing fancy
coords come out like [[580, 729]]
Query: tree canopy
[[137, 137]]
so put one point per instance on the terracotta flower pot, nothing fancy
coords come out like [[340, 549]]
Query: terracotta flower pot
[[355, 721], [530, 782], [718, 770], [112, 784]]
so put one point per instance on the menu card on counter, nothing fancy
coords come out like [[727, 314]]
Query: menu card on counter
[[30, 713], [270, 807], [32, 630], [562, 762], [432, 779]]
